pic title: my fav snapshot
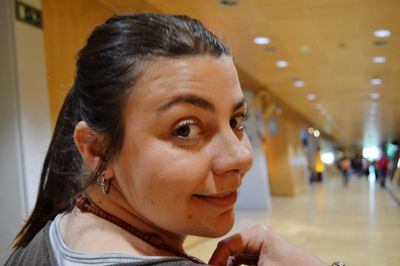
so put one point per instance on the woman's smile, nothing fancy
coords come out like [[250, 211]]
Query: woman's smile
[[221, 200]]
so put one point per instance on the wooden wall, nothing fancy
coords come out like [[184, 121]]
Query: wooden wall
[[285, 156], [67, 24]]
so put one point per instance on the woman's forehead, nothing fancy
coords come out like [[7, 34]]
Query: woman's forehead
[[187, 68], [204, 76]]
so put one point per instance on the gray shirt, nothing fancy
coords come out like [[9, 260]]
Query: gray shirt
[[48, 248]]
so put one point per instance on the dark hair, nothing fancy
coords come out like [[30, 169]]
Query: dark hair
[[107, 68]]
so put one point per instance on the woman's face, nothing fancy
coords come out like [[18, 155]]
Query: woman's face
[[185, 153]]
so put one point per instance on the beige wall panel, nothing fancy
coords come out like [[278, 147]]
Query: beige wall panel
[[285, 154], [276, 149], [296, 156], [67, 24]]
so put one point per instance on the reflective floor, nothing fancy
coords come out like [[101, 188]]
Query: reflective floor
[[358, 224]]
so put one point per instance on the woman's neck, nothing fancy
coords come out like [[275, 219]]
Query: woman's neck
[[114, 203]]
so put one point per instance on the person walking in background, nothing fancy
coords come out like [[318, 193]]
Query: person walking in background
[[365, 166], [382, 165], [319, 166], [345, 165], [356, 164]]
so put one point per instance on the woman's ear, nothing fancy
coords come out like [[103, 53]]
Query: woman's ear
[[90, 144]]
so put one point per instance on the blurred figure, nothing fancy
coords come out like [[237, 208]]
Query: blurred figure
[[381, 166], [365, 166], [345, 165], [319, 166], [356, 164]]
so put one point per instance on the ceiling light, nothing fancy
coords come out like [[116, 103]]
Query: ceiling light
[[376, 81], [316, 133], [379, 59], [380, 43], [382, 33], [375, 95], [229, 2], [311, 97], [261, 40], [270, 49], [282, 63], [299, 83], [304, 48], [310, 130]]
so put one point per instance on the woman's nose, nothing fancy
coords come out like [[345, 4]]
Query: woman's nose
[[232, 154]]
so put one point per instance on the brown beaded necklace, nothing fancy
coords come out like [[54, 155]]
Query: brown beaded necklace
[[85, 205]]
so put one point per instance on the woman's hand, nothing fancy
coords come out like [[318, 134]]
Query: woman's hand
[[260, 246]]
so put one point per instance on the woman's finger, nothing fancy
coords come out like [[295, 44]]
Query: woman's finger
[[250, 242]]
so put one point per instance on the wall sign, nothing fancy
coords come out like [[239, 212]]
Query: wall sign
[[28, 14]]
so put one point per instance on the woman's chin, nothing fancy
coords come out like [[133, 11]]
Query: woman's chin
[[219, 227]]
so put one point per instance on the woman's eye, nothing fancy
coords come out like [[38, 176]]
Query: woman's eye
[[187, 130], [238, 122]]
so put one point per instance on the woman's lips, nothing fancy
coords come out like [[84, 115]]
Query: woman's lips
[[222, 200]]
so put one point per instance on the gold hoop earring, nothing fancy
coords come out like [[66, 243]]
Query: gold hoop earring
[[105, 184]]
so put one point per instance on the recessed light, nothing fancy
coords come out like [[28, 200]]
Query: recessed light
[[310, 130], [229, 2], [318, 106], [376, 81], [316, 133], [305, 48], [282, 63], [379, 59], [375, 95], [270, 49], [380, 43], [261, 40], [382, 33], [311, 97], [299, 83]]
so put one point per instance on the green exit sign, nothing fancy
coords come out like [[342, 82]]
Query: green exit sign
[[28, 14]]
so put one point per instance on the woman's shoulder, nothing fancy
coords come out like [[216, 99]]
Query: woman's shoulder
[[37, 252], [47, 248], [64, 255]]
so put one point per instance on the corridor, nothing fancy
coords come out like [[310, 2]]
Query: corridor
[[358, 224]]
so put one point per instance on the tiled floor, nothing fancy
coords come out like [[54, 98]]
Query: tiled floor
[[358, 224]]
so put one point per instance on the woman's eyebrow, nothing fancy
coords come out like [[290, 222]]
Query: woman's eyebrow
[[190, 99], [239, 105]]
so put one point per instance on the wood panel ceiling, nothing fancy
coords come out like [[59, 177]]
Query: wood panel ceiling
[[329, 44]]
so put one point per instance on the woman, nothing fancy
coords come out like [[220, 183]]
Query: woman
[[148, 148]]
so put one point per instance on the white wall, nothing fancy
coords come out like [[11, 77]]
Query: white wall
[[24, 120], [10, 153], [33, 102], [255, 192]]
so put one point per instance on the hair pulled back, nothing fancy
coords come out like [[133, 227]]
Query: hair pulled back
[[107, 68]]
